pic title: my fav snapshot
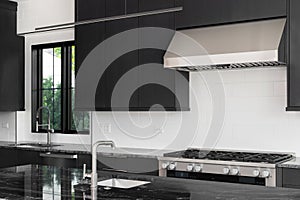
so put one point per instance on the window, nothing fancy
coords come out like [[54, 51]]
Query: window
[[53, 86]]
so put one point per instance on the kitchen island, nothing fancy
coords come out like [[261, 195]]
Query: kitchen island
[[49, 182]]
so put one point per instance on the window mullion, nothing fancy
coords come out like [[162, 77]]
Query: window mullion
[[68, 90], [64, 98]]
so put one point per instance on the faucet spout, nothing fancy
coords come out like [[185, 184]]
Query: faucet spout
[[37, 125], [94, 174], [94, 153]]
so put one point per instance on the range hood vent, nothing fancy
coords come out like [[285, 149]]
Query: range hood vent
[[234, 46]]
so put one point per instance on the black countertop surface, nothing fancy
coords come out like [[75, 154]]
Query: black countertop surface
[[86, 149], [48, 182]]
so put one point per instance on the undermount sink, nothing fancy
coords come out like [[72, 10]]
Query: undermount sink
[[122, 183], [42, 145]]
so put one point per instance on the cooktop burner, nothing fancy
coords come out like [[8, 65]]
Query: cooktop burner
[[270, 158]]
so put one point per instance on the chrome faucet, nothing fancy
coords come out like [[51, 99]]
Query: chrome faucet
[[94, 174], [37, 125]]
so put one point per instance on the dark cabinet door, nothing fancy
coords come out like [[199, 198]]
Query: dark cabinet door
[[87, 37], [121, 59], [291, 178], [119, 87], [27, 157], [120, 7], [8, 157], [207, 12], [11, 61], [158, 85], [294, 62], [91, 9]]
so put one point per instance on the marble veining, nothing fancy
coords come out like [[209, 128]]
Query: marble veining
[[294, 163], [86, 149], [51, 183]]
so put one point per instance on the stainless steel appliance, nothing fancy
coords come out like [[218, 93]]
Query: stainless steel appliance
[[257, 168], [230, 46]]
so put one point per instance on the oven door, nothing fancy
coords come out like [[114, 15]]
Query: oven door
[[217, 177]]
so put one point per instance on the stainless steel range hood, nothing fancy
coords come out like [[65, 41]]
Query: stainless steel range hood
[[241, 45]]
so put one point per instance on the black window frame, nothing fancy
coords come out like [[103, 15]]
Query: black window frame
[[66, 86]]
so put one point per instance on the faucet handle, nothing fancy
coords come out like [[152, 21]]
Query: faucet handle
[[84, 174], [37, 126]]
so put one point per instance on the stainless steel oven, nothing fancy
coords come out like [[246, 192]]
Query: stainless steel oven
[[223, 166]]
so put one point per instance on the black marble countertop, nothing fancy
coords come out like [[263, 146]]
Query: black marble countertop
[[294, 163], [86, 149], [51, 183]]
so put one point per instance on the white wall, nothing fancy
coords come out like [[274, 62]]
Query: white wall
[[33, 14], [39, 13], [255, 102], [255, 119], [7, 126]]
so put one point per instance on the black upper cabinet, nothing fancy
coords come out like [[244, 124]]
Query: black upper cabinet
[[110, 91], [159, 86], [294, 51], [11, 60], [120, 87], [121, 7], [208, 12], [88, 36], [91, 9]]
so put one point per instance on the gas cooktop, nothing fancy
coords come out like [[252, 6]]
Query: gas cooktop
[[269, 158]]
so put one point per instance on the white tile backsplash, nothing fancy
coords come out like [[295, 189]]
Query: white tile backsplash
[[280, 88], [7, 133], [255, 117]]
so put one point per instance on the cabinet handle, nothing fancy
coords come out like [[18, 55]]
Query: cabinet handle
[[63, 156]]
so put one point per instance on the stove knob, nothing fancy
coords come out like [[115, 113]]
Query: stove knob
[[172, 166], [197, 168], [256, 172], [190, 167], [165, 165], [235, 171], [226, 170], [265, 174]]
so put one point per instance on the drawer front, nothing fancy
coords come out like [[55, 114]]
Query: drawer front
[[291, 177]]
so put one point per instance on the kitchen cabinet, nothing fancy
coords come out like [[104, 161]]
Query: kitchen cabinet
[[143, 96], [25, 157], [11, 60], [8, 157], [293, 72], [209, 12], [87, 10], [152, 93], [122, 65], [87, 37], [288, 178], [148, 166]]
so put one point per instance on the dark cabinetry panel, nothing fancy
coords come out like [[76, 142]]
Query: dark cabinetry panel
[[294, 62], [121, 7], [147, 166], [143, 95], [122, 64], [162, 89], [8, 157], [26, 157], [11, 60], [91, 9], [291, 178], [208, 12]]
